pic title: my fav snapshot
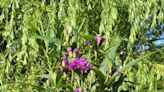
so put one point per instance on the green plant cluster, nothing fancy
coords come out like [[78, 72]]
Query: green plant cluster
[[34, 35]]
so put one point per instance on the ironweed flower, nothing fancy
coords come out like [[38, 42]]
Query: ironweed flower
[[113, 71], [79, 64], [86, 42], [73, 62], [99, 38], [78, 90], [69, 49], [65, 60], [76, 50]]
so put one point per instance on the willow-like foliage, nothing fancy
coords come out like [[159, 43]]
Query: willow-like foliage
[[35, 33]]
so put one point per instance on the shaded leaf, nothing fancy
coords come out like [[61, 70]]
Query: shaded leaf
[[130, 64], [100, 75], [109, 56], [91, 40], [47, 76]]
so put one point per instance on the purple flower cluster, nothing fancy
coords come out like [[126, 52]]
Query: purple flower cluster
[[75, 63], [79, 64]]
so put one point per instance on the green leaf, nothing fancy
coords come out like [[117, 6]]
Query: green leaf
[[66, 86], [50, 89], [100, 75], [47, 76], [50, 39], [130, 64], [60, 82], [109, 56], [114, 13], [91, 40], [50, 33]]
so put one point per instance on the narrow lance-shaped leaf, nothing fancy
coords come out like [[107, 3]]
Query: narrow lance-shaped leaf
[[130, 64], [47, 76], [100, 75], [49, 39], [110, 56]]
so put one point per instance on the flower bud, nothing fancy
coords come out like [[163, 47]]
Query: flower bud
[[76, 50], [69, 49], [99, 38], [86, 42]]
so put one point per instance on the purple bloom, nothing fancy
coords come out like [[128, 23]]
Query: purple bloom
[[102, 39], [113, 71], [65, 60], [66, 55], [99, 38], [96, 38], [78, 90], [69, 49], [86, 42], [76, 50], [74, 63], [79, 64]]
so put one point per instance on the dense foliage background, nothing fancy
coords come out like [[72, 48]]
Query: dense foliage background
[[34, 35]]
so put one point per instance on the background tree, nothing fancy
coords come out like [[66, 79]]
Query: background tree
[[35, 33]]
